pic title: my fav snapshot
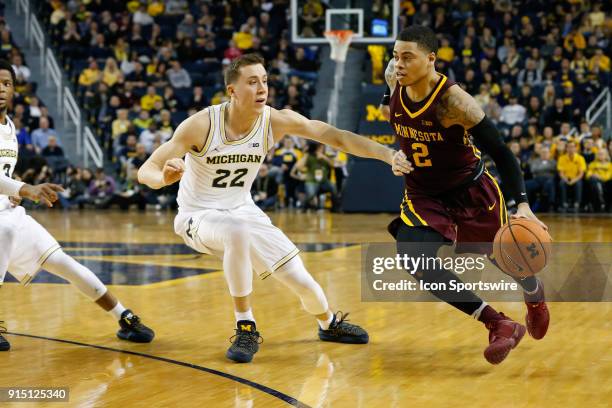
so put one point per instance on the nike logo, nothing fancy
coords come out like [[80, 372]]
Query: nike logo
[[492, 206], [397, 115]]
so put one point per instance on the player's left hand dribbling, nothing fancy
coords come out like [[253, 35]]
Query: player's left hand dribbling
[[400, 164], [523, 211]]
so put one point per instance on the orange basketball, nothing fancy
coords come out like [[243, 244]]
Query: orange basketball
[[522, 248]]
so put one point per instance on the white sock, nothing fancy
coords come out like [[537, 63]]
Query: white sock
[[324, 324], [248, 315], [117, 311], [476, 314]]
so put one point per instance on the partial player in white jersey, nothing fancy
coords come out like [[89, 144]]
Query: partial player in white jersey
[[224, 146], [26, 247]]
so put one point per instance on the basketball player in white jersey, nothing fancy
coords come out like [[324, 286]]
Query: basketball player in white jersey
[[224, 146], [26, 247]]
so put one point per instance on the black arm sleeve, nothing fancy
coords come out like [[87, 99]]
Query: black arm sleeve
[[386, 97], [487, 138]]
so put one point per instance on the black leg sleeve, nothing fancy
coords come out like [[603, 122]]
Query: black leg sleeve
[[419, 241]]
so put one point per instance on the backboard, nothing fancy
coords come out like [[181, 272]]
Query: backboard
[[373, 22]]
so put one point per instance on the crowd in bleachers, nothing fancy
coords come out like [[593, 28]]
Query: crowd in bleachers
[[535, 67], [138, 68]]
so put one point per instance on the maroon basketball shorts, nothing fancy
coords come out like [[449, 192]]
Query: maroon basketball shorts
[[468, 215]]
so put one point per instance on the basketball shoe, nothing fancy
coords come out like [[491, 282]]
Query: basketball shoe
[[245, 343], [504, 335], [340, 331], [132, 330], [537, 317], [4, 344]]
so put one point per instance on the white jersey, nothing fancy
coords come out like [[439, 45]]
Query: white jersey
[[9, 148], [221, 174]]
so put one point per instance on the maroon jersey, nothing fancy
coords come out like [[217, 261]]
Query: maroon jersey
[[442, 158]]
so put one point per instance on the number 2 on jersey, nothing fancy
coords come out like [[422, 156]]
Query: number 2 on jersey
[[236, 182], [420, 153], [7, 170]]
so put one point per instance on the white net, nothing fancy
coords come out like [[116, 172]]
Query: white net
[[339, 40]]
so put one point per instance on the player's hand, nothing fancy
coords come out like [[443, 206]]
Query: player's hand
[[173, 171], [15, 201], [523, 211], [46, 192], [385, 110], [400, 164]]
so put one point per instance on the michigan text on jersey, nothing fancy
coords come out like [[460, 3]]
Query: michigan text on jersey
[[234, 158]]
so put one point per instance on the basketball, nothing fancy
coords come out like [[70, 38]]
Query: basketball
[[522, 248]]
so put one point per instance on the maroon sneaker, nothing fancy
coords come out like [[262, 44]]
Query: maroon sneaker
[[504, 335], [537, 317]]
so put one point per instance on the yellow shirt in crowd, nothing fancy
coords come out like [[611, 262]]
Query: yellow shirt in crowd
[[244, 41], [601, 169], [147, 102], [89, 76], [446, 54], [571, 167]]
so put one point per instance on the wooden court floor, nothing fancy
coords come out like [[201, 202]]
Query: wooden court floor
[[420, 354]]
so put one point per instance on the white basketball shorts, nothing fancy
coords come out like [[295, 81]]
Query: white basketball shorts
[[204, 231], [24, 245]]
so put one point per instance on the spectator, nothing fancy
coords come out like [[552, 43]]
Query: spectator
[[543, 171], [147, 137], [178, 76], [128, 151], [142, 16], [316, 166], [530, 75], [513, 113], [148, 100], [120, 125], [101, 188], [285, 158], [599, 177], [143, 121], [139, 158], [23, 137], [176, 7], [128, 193], [556, 114], [40, 137], [571, 167], [187, 27], [52, 149], [264, 189], [90, 75], [21, 71], [138, 77], [588, 151], [111, 74]]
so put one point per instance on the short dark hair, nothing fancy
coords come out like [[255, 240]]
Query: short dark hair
[[423, 36], [233, 71], [6, 66]]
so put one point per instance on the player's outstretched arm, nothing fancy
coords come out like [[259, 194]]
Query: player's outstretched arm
[[460, 108], [166, 165], [46, 192], [288, 122]]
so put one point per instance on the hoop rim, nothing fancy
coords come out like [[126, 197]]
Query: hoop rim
[[343, 36]]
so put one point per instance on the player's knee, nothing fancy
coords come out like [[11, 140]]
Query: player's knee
[[235, 233]]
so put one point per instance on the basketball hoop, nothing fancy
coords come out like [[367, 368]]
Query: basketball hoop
[[339, 40]]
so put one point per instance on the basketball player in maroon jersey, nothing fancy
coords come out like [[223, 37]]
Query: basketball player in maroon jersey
[[449, 196]]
